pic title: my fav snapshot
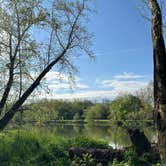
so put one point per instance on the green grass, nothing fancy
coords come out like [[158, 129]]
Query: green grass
[[27, 148], [34, 148]]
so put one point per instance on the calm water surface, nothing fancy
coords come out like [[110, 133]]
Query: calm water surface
[[114, 135]]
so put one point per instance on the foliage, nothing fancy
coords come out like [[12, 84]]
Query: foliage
[[35, 149], [86, 160], [50, 110], [124, 105], [27, 148], [132, 159], [128, 107], [88, 143], [26, 58], [98, 111], [116, 163], [146, 94]]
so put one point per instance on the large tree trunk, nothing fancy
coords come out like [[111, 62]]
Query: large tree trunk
[[159, 54], [139, 141]]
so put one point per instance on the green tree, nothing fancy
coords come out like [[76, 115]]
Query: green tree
[[76, 116], [98, 111], [50, 110], [122, 106], [62, 36], [64, 110]]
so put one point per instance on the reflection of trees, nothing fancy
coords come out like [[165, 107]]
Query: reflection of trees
[[119, 136], [66, 130], [78, 128], [97, 132], [150, 133], [114, 134], [69, 130]]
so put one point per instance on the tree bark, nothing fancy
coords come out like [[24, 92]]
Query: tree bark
[[139, 141], [10, 80], [159, 55], [7, 90]]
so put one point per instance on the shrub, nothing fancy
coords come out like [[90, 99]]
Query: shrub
[[34, 149], [86, 160], [88, 143]]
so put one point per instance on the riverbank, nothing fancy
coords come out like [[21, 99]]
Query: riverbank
[[19, 147]]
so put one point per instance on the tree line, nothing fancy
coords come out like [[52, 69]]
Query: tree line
[[124, 107]]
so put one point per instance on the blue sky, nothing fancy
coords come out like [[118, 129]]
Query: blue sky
[[123, 49]]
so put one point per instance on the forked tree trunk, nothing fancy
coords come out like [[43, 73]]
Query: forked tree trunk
[[9, 115], [159, 54]]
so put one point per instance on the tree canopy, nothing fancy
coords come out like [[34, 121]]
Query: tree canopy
[[27, 58]]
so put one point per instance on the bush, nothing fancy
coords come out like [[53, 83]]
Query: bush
[[132, 159], [88, 143], [34, 149], [86, 160]]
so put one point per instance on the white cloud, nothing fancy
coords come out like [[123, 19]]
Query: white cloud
[[111, 88], [82, 95], [127, 75], [126, 82], [56, 81], [82, 86], [124, 86], [59, 86], [54, 75]]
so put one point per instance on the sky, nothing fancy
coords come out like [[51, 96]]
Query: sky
[[123, 55]]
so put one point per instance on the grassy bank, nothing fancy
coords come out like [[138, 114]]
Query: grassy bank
[[32, 148], [22, 148]]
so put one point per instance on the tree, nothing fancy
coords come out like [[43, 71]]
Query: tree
[[159, 55], [62, 36], [146, 94], [123, 106], [98, 111]]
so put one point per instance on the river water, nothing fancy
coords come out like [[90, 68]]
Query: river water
[[115, 136]]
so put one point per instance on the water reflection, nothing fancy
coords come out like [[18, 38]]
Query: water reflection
[[116, 136]]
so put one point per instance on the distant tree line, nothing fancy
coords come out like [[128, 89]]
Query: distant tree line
[[124, 107]]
